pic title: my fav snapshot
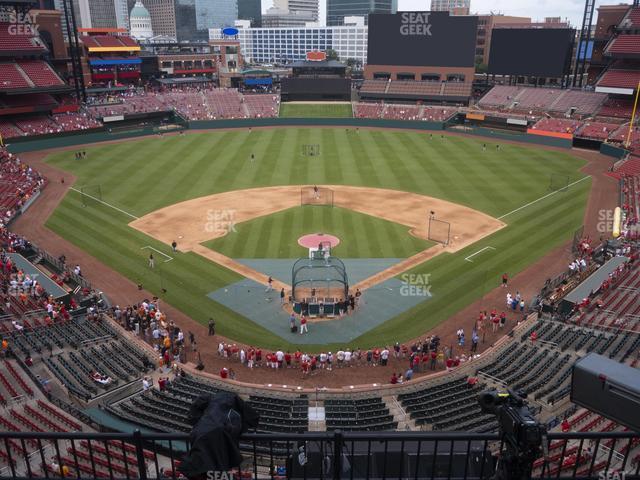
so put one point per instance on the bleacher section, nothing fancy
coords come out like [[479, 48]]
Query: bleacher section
[[261, 106], [167, 410], [19, 40], [12, 77], [616, 108], [192, 104], [452, 405], [393, 111], [40, 73], [364, 414], [106, 41], [414, 90], [499, 96], [597, 130], [560, 125], [542, 100], [624, 44], [620, 78]]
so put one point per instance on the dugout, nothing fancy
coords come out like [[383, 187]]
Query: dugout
[[318, 284], [591, 285]]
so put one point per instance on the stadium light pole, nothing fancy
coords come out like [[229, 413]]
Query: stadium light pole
[[633, 116]]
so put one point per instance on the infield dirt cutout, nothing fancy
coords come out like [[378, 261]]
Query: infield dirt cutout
[[195, 221]]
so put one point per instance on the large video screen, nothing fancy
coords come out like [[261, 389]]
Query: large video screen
[[315, 89], [430, 39], [541, 52]]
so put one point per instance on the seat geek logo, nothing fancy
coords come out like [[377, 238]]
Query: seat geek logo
[[415, 24]]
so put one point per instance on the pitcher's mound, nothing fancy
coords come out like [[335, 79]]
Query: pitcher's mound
[[313, 240]]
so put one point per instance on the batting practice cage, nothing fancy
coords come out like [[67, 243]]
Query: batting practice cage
[[439, 231], [316, 196], [90, 195], [316, 279]]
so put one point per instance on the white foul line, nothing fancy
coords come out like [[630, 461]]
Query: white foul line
[[542, 198], [104, 203], [479, 251], [156, 250]]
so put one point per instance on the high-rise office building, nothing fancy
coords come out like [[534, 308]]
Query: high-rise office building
[[337, 10], [454, 7], [186, 27], [277, 18], [307, 8], [215, 13], [122, 13], [250, 10], [98, 13]]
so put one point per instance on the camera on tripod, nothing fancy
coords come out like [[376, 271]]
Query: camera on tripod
[[523, 436]]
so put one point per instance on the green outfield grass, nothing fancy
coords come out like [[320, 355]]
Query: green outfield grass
[[141, 176], [312, 110], [360, 235]]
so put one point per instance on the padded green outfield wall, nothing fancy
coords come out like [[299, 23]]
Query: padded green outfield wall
[[314, 122], [612, 151], [81, 138], [515, 136]]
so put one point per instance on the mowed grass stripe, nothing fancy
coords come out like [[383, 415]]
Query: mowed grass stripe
[[361, 236], [455, 169], [471, 283]]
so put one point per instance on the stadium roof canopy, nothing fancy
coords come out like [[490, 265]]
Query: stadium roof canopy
[[312, 64], [255, 71], [181, 80]]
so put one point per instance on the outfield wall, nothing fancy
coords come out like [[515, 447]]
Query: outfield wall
[[82, 138], [612, 151]]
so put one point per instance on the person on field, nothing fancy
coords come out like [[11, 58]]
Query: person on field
[[152, 262]]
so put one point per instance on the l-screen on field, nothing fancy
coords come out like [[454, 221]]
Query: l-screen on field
[[234, 203]]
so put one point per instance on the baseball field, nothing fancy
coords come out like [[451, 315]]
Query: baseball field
[[521, 188]]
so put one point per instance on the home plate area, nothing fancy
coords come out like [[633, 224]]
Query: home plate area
[[377, 304]]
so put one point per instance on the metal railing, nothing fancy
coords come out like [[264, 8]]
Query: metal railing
[[330, 455]]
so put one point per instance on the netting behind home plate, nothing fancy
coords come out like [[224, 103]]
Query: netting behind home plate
[[439, 231], [327, 278]]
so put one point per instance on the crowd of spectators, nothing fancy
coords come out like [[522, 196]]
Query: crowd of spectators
[[18, 183]]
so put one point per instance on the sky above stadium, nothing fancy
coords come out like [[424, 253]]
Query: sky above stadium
[[536, 9]]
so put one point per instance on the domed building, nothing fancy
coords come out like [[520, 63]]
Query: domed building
[[140, 22]]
